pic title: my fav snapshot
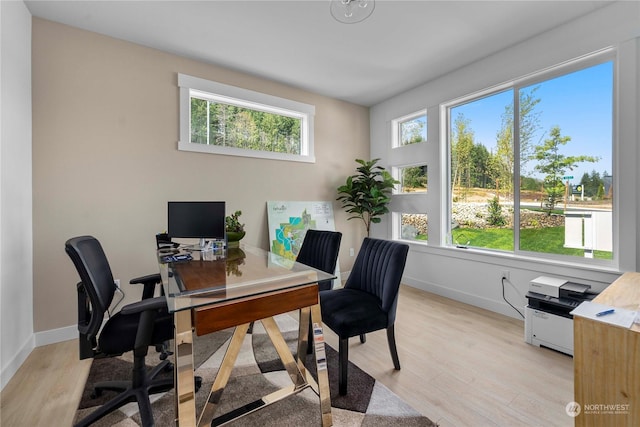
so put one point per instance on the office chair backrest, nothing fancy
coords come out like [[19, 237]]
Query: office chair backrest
[[90, 261], [378, 270], [320, 250]]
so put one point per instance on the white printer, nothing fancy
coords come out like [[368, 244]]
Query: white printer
[[547, 321]]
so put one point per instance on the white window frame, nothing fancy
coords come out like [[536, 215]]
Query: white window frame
[[405, 156], [218, 92], [395, 127], [396, 173], [605, 55]]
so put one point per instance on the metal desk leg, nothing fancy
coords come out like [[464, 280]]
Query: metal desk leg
[[297, 377], [303, 337], [183, 373], [321, 366], [222, 377]]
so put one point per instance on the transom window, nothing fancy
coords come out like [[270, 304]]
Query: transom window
[[222, 119]]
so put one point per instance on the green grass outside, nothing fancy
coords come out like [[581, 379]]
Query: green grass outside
[[545, 240]]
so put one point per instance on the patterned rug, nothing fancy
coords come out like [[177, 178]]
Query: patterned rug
[[257, 372]]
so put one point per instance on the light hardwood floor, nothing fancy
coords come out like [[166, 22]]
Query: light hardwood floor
[[461, 366]]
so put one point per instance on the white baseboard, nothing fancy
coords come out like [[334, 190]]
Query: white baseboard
[[38, 339], [454, 294], [56, 335], [12, 367]]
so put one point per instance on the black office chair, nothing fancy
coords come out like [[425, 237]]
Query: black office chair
[[134, 328], [320, 250], [368, 300], [153, 281]]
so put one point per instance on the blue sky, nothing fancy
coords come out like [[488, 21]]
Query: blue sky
[[580, 103]]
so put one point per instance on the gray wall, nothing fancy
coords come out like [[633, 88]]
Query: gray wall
[[474, 277]]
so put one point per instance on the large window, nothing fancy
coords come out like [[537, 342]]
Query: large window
[[530, 164], [222, 119]]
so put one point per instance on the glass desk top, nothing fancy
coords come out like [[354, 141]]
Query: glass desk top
[[212, 277]]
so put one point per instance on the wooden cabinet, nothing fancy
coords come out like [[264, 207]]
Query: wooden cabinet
[[607, 361]]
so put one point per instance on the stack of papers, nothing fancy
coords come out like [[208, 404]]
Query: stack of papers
[[619, 317]]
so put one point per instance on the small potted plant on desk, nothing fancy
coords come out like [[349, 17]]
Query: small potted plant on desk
[[235, 230]]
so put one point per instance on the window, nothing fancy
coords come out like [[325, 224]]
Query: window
[[481, 169], [221, 119], [413, 179], [413, 226], [408, 201], [530, 164], [410, 129]]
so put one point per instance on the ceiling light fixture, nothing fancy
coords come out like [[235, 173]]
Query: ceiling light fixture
[[351, 11]]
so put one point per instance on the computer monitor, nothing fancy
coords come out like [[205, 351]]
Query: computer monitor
[[199, 220]]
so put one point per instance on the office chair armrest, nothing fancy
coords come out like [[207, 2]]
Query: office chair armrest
[[149, 279], [149, 282], [148, 304]]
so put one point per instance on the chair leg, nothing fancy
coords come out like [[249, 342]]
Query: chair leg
[[343, 365], [392, 347], [363, 338]]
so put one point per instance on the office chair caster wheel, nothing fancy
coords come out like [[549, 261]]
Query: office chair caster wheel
[[96, 393], [198, 384], [163, 349]]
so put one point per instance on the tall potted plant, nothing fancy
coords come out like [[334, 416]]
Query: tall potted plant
[[366, 194]]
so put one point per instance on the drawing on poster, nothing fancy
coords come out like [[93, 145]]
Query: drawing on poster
[[289, 222]]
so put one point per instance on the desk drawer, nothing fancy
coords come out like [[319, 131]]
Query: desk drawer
[[244, 310]]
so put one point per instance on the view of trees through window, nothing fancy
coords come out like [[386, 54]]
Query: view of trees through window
[[563, 154], [413, 131], [227, 125], [413, 179]]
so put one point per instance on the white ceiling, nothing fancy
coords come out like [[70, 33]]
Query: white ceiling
[[402, 45]]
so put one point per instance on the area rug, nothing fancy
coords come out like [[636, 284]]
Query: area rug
[[257, 372]]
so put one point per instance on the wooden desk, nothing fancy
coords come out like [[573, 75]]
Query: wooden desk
[[212, 293], [607, 362]]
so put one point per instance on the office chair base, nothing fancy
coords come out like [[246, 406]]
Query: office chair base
[[130, 393], [139, 394]]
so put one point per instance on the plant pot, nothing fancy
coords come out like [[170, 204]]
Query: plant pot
[[233, 238]]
